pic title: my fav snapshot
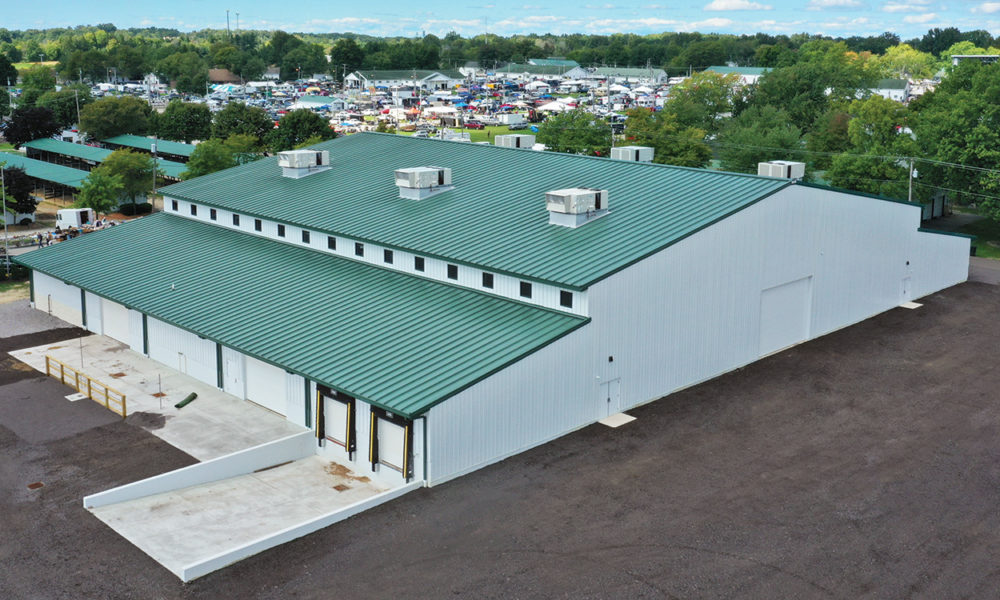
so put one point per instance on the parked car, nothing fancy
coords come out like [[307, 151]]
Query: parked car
[[474, 125], [518, 125]]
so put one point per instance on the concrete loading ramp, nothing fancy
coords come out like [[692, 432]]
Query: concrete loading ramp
[[203, 517]]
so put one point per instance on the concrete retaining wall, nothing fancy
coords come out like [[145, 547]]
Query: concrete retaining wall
[[243, 462]]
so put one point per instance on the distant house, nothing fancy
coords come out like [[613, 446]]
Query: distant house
[[424, 79], [471, 68], [272, 74], [748, 75], [892, 89]]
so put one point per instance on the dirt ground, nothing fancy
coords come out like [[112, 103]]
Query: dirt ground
[[865, 464]]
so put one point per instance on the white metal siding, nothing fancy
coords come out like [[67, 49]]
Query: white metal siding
[[136, 333], [115, 319], [95, 322], [57, 298], [692, 312], [182, 350], [541, 397], [266, 385], [233, 372], [785, 311], [295, 391]]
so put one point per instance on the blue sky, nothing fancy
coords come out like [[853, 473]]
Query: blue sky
[[908, 18]]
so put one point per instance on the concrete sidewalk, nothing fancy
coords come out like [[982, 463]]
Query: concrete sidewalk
[[215, 424]]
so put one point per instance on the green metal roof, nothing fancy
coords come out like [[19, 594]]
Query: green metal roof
[[740, 70], [891, 84], [145, 143], [495, 217], [399, 74], [516, 68], [629, 71], [398, 341], [553, 62], [40, 169], [97, 155]]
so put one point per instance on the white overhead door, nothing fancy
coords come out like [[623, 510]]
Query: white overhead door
[[266, 386], [114, 319], [785, 314], [391, 445], [335, 421], [182, 350]]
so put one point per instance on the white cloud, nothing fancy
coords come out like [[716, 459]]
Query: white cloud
[[822, 4], [852, 24], [737, 5], [987, 7], [707, 25], [924, 18]]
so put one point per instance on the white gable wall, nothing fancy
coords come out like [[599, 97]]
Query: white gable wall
[[693, 311]]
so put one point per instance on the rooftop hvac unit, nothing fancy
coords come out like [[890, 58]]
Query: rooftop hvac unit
[[423, 177], [299, 163], [633, 153], [515, 140], [785, 169], [575, 201]]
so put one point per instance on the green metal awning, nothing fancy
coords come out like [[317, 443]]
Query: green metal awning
[[39, 169], [145, 143], [401, 342], [169, 168]]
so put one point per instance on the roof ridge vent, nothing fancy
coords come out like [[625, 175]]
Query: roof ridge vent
[[297, 164], [573, 207], [417, 183]]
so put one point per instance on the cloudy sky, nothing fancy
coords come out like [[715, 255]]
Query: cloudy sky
[[908, 18]]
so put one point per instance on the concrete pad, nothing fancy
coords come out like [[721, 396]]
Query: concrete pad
[[194, 524], [910, 305], [617, 420], [214, 425]]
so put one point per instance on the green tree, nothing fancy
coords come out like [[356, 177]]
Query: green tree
[[35, 81], [7, 71], [298, 126], [347, 55], [905, 61], [113, 116], [17, 188], [134, 169], [64, 103], [758, 134], [184, 122], [303, 61], [30, 123], [576, 132], [245, 148], [702, 99], [672, 143], [187, 71], [239, 119], [91, 64], [279, 45], [828, 136], [208, 157], [100, 192]]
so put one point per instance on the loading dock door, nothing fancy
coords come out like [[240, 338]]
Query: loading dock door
[[391, 445], [115, 320], [785, 314], [266, 386], [338, 419]]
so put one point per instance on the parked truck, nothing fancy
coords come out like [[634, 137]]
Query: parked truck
[[67, 218]]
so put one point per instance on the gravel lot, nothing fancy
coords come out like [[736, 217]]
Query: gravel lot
[[865, 464]]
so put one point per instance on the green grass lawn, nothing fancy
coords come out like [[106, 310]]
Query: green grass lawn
[[7, 148], [12, 286], [986, 230], [487, 135]]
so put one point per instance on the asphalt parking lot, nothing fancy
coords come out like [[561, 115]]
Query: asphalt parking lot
[[865, 464]]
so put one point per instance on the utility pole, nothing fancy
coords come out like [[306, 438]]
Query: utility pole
[[228, 33], [76, 96], [3, 203], [909, 195]]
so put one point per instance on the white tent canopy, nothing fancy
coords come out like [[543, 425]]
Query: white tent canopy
[[554, 106]]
